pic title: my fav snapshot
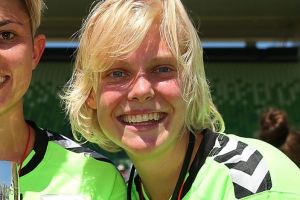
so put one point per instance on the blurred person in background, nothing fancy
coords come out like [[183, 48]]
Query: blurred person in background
[[50, 165], [291, 147], [275, 129], [139, 85]]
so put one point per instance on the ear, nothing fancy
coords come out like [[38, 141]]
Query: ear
[[39, 43], [91, 101]]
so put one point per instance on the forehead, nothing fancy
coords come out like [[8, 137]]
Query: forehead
[[13, 10], [153, 45]]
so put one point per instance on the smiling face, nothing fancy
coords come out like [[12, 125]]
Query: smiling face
[[139, 103], [19, 53]]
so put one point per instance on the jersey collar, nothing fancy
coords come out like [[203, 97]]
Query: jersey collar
[[39, 149]]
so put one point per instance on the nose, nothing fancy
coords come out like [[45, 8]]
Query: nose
[[141, 90]]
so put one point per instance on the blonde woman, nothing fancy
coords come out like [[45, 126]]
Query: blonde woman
[[139, 85], [50, 165]]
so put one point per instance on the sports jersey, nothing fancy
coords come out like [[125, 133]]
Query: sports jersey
[[61, 169], [228, 167]]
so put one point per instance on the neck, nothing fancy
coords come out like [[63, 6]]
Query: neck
[[14, 134], [159, 175]]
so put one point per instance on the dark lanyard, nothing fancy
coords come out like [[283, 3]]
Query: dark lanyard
[[180, 182]]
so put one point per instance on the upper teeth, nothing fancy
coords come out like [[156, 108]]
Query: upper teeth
[[141, 118], [2, 79]]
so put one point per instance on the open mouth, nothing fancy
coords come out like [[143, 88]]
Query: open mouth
[[142, 119]]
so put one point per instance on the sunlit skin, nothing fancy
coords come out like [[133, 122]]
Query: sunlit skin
[[19, 55], [140, 107], [15, 54], [145, 87]]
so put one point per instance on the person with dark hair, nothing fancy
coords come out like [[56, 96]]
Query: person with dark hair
[[274, 127], [275, 130], [291, 147]]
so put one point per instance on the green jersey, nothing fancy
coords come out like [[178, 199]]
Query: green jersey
[[59, 168], [228, 167]]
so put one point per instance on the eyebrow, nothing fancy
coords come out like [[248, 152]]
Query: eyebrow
[[164, 58], [7, 21]]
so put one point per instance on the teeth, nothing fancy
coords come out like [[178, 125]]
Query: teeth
[[2, 79], [141, 118]]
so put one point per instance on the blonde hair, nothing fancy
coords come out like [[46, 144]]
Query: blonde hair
[[115, 28], [34, 9]]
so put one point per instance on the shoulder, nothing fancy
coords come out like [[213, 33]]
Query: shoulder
[[70, 145], [44, 137], [97, 168], [254, 166], [64, 163]]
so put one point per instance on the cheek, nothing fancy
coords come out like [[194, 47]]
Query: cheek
[[170, 90], [22, 52], [20, 58], [108, 99], [108, 102], [20, 61]]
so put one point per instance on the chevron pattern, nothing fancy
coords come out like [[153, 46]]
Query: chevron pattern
[[247, 168], [75, 147]]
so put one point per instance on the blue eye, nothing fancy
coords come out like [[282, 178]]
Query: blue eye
[[118, 74], [163, 69]]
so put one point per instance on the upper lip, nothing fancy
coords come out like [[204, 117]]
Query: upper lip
[[4, 72], [140, 112]]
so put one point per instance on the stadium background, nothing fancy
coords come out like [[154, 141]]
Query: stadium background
[[244, 79]]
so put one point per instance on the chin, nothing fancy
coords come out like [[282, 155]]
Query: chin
[[144, 146], [138, 145]]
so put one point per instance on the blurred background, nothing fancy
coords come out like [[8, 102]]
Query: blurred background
[[251, 52]]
